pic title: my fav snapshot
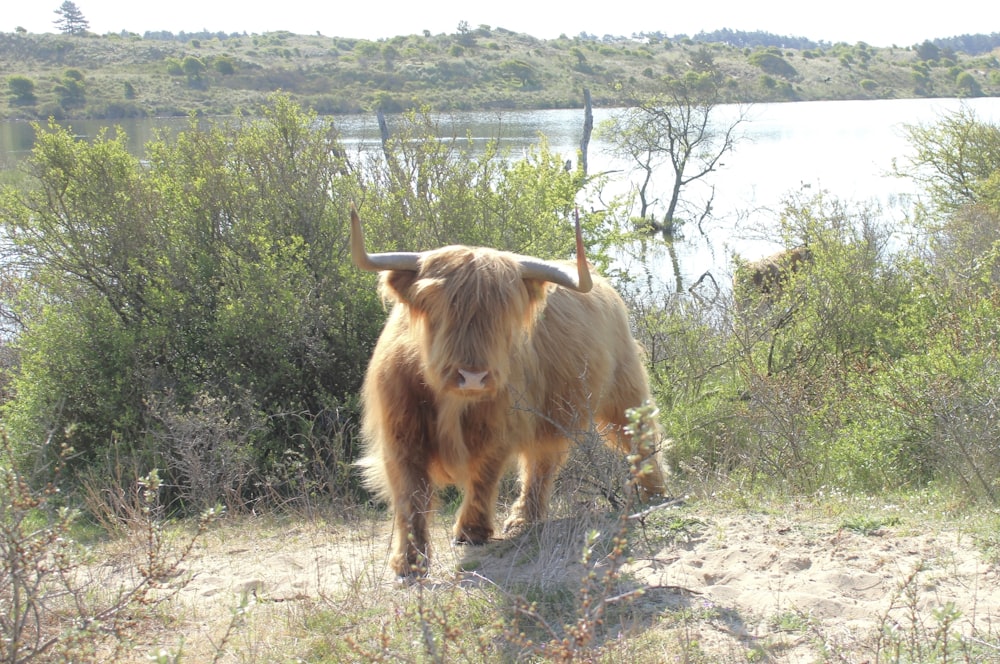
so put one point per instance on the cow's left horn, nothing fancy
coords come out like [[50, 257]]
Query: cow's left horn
[[557, 273], [401, 260]]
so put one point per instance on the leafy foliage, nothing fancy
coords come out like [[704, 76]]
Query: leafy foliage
[[952, 160], [202, 302], [22, 90], [197, 311], [772, 63], [873, 368]]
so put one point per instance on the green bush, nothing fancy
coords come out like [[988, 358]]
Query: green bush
[[203, 301], [213, 269], [773, 64], [875, 367], [22, 90], [852, 310], [225, 66], [815, 385], [968, 84]]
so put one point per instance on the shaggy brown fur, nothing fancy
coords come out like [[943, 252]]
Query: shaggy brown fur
[[478, 365], [769, 274]]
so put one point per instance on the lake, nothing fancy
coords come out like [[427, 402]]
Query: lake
[[844, 147]]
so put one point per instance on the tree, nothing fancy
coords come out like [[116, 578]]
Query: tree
[[193, 67], [675, 129], [520, 71], [22, 90], [466, 36], [772, 63], [952, 159], [71, 90], [968, 84], [928, 51], [71, 20]]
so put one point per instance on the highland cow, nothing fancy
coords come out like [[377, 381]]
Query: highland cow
[[768, 275], [487, 356]]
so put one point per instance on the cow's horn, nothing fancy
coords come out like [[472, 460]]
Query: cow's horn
[[557, 273], [402, 260]]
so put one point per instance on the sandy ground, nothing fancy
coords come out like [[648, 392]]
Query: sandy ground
[[756, 575], [788, 586]]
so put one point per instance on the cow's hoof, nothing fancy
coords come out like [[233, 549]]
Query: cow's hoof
[[473, 536], [410, 577], [408, 571], [466, 542], [515, 526], [405, 581]]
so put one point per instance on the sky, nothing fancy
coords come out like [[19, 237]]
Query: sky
[[875, 22]]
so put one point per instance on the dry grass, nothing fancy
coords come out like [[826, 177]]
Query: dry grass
[[703, 581], [720, 576]]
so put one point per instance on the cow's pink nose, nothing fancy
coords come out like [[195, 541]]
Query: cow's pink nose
[[472, 380]]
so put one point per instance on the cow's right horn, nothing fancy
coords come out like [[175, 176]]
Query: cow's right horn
[[557, 273], [400, 260]]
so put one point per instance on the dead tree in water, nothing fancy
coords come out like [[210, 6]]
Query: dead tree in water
[[675, 137]]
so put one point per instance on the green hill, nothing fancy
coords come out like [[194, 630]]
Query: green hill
[[114, 76]]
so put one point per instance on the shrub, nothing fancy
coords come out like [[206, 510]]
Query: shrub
[[968, 84], [772, 64], [162, 288], [197, 312], [787, 386], [22, 90], [224, 66], [54, 607]]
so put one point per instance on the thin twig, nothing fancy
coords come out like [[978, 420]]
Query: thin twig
[[639, 516]]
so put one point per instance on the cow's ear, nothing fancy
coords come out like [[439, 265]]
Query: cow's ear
[[407, 287], [538, 289], [396, 285]]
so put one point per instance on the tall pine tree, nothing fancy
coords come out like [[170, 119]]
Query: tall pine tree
[[71, 20]]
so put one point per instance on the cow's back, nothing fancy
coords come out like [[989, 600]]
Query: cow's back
[[589, 366]]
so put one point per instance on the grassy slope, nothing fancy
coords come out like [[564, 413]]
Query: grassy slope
[[481, 69]]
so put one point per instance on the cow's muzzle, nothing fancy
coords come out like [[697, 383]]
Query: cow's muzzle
[[472, 381]]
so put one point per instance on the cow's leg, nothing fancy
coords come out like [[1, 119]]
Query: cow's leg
[[650, 479], [474, 524], [631, 388], [539, 466], [411, 503]]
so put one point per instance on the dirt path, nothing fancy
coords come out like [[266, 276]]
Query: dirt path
[[791, 587]]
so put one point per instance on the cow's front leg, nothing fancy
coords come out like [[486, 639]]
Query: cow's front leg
[[474, 524], [411, 504]]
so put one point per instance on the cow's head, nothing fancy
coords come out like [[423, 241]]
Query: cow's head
[[469, 306]]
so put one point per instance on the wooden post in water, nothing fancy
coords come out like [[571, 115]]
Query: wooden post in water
[[383, 128], [588, 127]]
